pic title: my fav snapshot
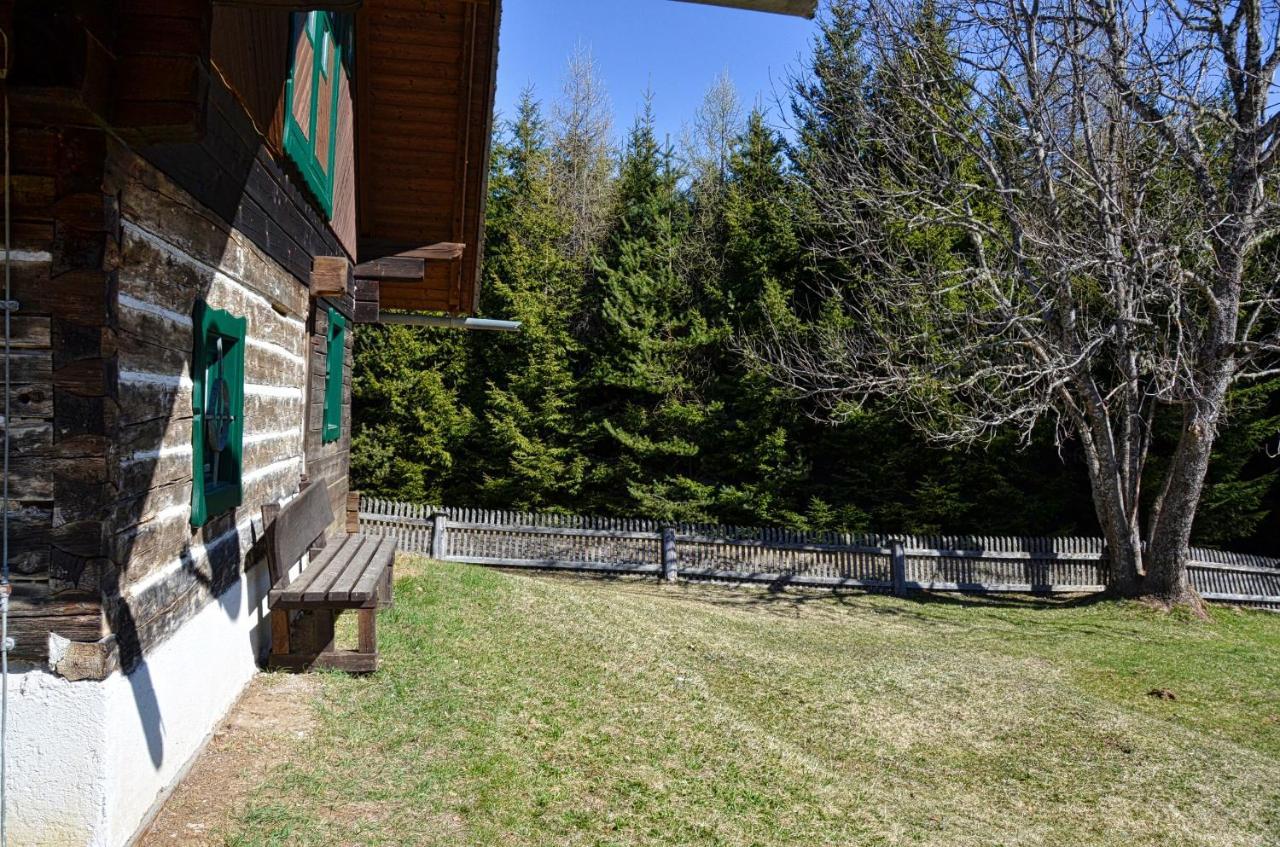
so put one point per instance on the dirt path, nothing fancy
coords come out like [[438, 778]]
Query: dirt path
[[272, 719]]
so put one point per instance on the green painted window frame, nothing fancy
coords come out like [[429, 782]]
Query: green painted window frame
[[322, 30], [212, 497], [335, 360]]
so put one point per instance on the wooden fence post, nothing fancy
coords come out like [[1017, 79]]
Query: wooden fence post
[[670, 561], [438, 546], [898, 568], [353, 512]]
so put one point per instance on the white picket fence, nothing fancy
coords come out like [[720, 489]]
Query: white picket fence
[[779, 556]]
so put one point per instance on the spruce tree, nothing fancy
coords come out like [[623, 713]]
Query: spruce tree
[[409, 412], [644, 411], [751, 445], [526, 453]]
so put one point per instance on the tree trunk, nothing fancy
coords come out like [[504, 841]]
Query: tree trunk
[[1166, 578], [1121, 534]]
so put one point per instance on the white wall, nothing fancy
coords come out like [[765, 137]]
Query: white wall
[[57, 791], [89, 760]]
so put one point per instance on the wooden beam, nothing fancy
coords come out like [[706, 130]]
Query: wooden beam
[[402, 268], [330, 276], [367, 300], [295, 5], [799, 8], [444, 251]]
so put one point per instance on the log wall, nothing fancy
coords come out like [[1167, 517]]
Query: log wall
[[330, 462], [112, 246], [173, 252], [63, 228]]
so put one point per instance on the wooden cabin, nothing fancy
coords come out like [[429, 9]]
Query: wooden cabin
[[203, 194]]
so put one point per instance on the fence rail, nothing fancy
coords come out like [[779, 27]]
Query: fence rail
[[820, 559]]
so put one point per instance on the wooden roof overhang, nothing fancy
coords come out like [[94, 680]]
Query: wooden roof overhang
[[801, 8], [425, 75]]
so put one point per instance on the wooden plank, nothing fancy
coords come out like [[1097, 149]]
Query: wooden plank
[[1240, 598], [366, 290], [444, 251], [300, 522], [556, 564], [798, 8], [367, 312], [292, 593], [294, 5], [356, 562], [1214, 566], [280, 638], [29, 332], [349, 661], [541, 530], [407, 268], [318, 590], [381, 554], [367, 630], [778, 578]]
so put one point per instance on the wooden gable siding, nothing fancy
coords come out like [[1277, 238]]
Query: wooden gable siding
[[237, 177], [344, 177], [250, 56], [250, 52], [426, 82]]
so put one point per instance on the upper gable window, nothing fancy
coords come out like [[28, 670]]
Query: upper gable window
[[321, 46]]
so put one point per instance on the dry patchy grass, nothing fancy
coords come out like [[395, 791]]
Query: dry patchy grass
[[516, 709]]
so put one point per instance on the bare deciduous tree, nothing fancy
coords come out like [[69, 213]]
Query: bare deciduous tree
[[582, 160], [708, 142], [1063, 210]]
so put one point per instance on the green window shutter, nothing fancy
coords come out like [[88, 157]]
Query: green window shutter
[[310, 138], [217, 405], [335, 358]]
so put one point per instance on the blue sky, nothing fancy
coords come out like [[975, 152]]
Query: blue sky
[[677, 48]]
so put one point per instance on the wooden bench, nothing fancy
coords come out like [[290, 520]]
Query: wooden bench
[[347, 572]]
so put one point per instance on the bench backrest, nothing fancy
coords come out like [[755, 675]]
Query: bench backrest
[[296, 527]]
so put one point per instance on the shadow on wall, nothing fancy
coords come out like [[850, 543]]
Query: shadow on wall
[[167, 264]]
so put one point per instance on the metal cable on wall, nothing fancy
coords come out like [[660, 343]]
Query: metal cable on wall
[[8, 306]]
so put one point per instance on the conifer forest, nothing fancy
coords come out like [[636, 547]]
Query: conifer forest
[[644, 272]]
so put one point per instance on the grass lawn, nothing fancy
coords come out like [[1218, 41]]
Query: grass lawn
[[517, 709]]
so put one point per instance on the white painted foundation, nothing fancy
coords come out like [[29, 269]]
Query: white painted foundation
[[88, 761]]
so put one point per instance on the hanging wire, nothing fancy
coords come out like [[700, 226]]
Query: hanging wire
[[5, 643]]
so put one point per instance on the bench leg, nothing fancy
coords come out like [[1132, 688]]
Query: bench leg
[[280, 641], [386, 595], [367, 626]]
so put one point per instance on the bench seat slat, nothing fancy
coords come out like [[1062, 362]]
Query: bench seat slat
[[340, 591], [318, 591], [293, 591], [383, 552]]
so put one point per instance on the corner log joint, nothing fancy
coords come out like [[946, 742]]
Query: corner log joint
[[331, 276]]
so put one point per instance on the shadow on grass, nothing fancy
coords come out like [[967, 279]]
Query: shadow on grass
[[784, 593]]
